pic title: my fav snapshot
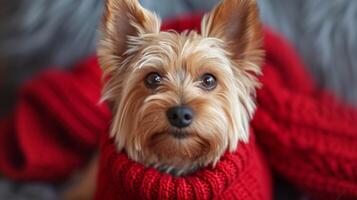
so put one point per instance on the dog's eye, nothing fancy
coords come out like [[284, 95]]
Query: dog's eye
[[153, 80], [209, 82]]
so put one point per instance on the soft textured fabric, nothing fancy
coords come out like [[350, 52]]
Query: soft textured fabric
[[307, 135]]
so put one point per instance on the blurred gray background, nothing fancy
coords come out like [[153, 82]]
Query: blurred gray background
[[37, 34]]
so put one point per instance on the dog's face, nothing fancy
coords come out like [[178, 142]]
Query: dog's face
[[180, 100]]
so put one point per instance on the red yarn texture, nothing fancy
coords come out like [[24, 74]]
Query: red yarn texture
[[308, 137]]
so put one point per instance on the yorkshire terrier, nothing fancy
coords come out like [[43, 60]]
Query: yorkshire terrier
[[180, 100]]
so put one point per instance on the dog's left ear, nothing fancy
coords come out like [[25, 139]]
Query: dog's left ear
[[237, 23]]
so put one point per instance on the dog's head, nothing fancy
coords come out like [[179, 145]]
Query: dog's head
[[180, 100]]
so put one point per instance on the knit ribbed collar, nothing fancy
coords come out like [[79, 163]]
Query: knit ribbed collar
[[135, 181]]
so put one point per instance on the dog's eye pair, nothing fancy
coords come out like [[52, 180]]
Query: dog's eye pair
[[209, 82], [153, 80]]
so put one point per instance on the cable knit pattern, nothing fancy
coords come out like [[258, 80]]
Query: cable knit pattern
[[307, 135]]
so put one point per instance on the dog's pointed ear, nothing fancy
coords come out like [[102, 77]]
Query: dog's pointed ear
[[123, 19], [237, 23]]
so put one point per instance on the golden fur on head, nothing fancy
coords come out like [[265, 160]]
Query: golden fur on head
[[132, 46]]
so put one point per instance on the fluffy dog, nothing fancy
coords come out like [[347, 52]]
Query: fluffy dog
[[180, 100]]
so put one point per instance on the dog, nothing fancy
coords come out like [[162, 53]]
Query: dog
[[180, 100]]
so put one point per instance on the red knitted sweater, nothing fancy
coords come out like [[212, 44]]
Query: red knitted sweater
[[308, 136], [241, 175]]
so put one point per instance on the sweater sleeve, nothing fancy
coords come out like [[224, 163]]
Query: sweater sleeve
[[55, 125]]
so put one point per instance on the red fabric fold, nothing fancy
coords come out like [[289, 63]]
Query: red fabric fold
[[307, 135]]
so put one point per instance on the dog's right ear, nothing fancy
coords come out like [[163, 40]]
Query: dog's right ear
[[122, 19], [123, 23]]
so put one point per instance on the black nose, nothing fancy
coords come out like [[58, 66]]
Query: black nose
[[180, 116]]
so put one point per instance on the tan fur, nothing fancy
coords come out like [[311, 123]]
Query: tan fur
[[132, 46]]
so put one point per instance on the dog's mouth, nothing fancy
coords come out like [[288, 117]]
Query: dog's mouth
[[179, 134]]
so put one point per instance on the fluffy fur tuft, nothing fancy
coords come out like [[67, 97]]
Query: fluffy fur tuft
[[229, 48]]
